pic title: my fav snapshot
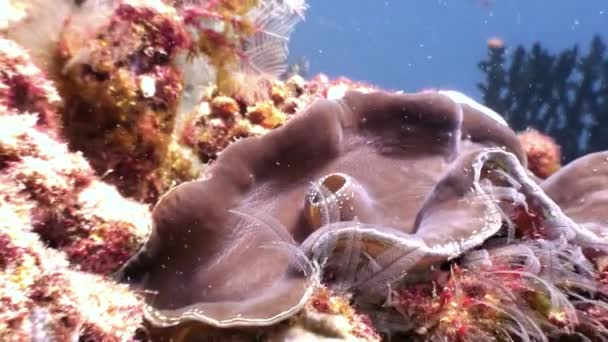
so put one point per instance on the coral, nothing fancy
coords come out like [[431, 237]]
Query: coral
[[376, 240], [531, 287], [326, 317], [529, 290], [219, 120], [41, 298], [244, 41], [69, 207], [50, 197], [578, 189], [329, 210], [359, 325], [208, 134], [326, 144], [58, 189], [544, 155], [122, 88], [25, 89]]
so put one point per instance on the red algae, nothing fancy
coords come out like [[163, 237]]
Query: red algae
[[65, 202], [359, 325], [43, 299], [500, 298], [52, 198], [25, 89], [463, 309], [68, 206]]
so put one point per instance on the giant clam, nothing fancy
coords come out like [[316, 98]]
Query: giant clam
[[358, 193]]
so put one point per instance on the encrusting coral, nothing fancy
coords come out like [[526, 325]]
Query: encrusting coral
[[71, 209], [51, 197], [24, 88], [122, 89], [42, 298], [220, 120]]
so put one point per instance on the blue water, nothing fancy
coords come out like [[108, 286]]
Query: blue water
[[409, 45]]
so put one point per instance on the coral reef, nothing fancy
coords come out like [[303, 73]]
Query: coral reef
[[52, 198], [250, 176], [59, 217], [244, 41], [125, 75], [390, 257], [219, 120], [122, 89], [42, 298], [68, 206], [25, 89], [328, 209]]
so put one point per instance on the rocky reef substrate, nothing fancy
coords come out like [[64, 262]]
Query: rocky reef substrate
[[160, 182]]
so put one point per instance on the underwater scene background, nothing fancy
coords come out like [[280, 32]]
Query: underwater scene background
[[291, 170], [412, 45]]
